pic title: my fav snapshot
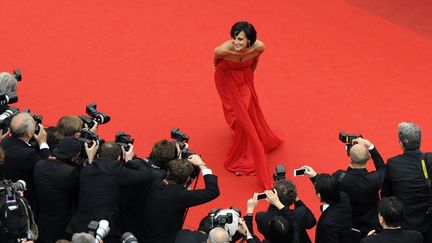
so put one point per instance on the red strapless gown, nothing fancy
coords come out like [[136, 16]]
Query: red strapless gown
[[252, 137]]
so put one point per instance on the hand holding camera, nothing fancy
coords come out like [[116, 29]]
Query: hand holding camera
[[91, 151], [41, 136], [196, 160], [128, 154], [362, 141]]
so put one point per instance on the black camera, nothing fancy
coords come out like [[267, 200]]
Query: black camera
[[89, 137], [220, 220], [37, 118], [9, 191], [99, 117], [181, 139], [17, 74], [124, 140], [6, 117], [348, 140], [280, 173], [8, 98]]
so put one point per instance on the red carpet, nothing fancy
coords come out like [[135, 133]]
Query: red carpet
[[330, 66]]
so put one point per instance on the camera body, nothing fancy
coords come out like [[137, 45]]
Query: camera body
[[348, 140], [124, 140], [280, 173], [181, 139], [99, 117], [89, 137], [6, 117]]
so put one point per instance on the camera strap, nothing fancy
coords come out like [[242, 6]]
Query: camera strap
[[425, 170]]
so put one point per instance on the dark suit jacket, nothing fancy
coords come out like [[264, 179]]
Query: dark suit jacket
[[395, 236], [20, 159], [302, 215], [363, 188], [57, 188], [165, 208], [334, 225], [187, 236], [99, 193], [406, 181]]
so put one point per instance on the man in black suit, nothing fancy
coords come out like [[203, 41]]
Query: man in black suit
[[199, 236], [287, 193], [169, 198], [99, 189], [361, 186], [57, 182], [408, 179], [390, 217], [21, 157]]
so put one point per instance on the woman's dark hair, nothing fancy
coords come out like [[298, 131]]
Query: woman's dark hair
[[249, 30], [280, 231], [325, 185]]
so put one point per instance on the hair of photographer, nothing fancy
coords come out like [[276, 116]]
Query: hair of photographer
[[68, 149], [280, 230], [83, 238], [409, 135], [390, 211], [325, 186], [163, 152], [110, 151], [68, 126], [8, 83], [359, 155], [218, 235], [23, 126], [286, 191], [179, 171]]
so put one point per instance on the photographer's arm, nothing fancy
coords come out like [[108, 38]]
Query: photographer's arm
[[304, 215], [41, 139]]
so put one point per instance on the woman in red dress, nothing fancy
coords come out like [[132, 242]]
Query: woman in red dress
[[235, 63]]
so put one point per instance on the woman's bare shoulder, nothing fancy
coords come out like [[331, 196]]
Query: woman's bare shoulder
[[259, 46], [223, 49]]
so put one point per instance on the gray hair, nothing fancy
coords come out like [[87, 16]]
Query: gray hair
[[19, 129], [409, 135], [8, 83], [83, 238], [218, 235]]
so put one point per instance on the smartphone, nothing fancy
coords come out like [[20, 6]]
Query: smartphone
[[299, 172], [261, 196]]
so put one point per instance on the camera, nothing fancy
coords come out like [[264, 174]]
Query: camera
[[348, 140], [124, 140], [99, 117], [37, 118], [9, 190], [99, 229], [17, 74], [181, 139], [9, 98], [128, 237], [280, 173], [89, 137], [6, 117], [221, 219]]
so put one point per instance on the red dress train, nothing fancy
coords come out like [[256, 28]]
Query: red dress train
[[252, 137]]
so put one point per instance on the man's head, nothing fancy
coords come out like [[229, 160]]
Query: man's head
[[179, 171], [218, 235], [325, 188], [83, 238], [8, 83], [110, 151], [409, 135], [390, 212], [68, 126], [68, 150], [280, 230], [163, 152], [23, 126], [359, 155], [286, 191]]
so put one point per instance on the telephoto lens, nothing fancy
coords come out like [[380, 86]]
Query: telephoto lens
[[128, 237], [20, 185], [103, 230]]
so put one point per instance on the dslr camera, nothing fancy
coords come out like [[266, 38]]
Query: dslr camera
[[124, 140], [280, 173], [99, 229], [181, 139], [6, 117], [94, 115], [90, 137], [348, 140]]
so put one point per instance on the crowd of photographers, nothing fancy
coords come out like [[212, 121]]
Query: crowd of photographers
[[66, 184]]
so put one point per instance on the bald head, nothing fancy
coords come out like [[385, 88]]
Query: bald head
[[22, 125], [359, 154], [218, 235]]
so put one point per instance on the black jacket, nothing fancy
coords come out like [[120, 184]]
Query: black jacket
[[334, 225], [99, 193], [363, 188], [57, 188], [302, 215], [395, 236], [406, 181], [165, 207]]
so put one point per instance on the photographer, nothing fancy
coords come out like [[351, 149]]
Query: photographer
[[168, 199], [8, 84], [99, 189], [361, 185], [408, 179], [21, 157], [391, 217], [199, 236], [287, 193], [57, 182]]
